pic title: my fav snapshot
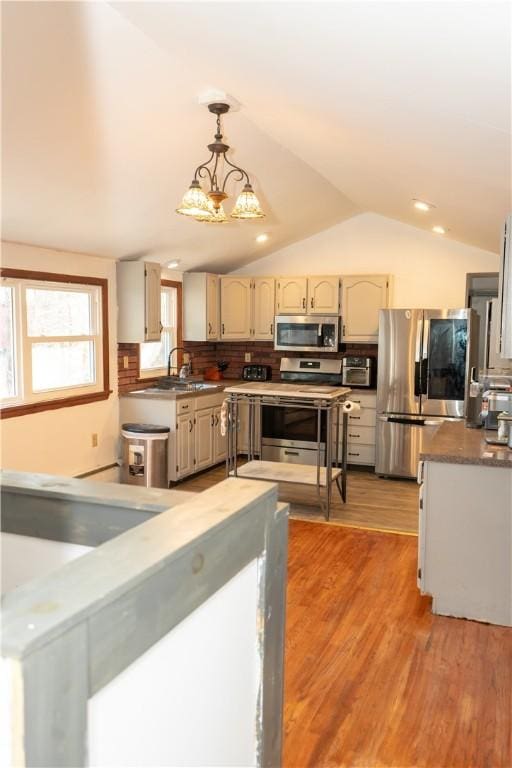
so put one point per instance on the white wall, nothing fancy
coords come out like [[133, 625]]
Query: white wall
[[60, 441], [192, 698], [25, 558], [428, 270]]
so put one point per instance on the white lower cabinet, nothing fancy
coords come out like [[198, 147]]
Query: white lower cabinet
[[464, 552], [361, 429], [184, 437], [195, 442], [203, 438]]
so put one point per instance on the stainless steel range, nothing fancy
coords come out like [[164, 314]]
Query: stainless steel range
[[290, 433]]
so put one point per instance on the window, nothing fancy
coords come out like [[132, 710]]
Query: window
[[155, 354], [53, 341]]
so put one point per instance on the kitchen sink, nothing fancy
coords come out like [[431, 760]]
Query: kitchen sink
[[192, 386]]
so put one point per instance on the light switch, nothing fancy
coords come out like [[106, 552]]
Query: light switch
[[247, 357]]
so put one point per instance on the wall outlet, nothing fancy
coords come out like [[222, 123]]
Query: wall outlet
[[125, 361], [247, 357], [94, 440]]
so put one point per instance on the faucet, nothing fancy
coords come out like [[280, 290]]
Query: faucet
[[185, 370]]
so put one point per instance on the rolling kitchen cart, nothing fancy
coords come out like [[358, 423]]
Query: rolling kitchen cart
[[328, 400]]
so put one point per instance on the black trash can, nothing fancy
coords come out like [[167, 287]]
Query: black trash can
[[145, 455]]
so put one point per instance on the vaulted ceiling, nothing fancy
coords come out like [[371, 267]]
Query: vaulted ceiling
[[345, 107]]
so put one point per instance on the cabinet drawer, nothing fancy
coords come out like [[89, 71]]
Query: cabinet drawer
[[361, 435], [185, 405], [209, 401], [366, 417], [365, 399], [361, 454]]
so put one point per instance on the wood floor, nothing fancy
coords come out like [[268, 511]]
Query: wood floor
[[372, 677], [371, 502]]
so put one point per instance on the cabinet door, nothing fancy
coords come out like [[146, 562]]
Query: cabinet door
[[263, 308], [220, 443], [235, 308], [153, 327], [212, 307], [323, 295], [185, 439], [292, 295], [362, 297], [203, 438]]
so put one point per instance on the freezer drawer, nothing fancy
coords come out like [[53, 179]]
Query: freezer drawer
[[398, 444]]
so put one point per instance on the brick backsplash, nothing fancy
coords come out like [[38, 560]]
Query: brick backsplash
[[206, 354]]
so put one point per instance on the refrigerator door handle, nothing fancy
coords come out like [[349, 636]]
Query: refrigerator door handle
[[424, 358], [405, 420], [417, 361]]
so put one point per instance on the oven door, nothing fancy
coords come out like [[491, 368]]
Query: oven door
[[305, 333], [291, 427]]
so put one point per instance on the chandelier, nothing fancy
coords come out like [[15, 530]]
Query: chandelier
[[207, 206]]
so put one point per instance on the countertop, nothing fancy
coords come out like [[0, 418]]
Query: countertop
[[280, 389], [169, 395], [453, 443]]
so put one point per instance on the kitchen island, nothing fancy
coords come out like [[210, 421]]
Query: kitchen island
[[326, 400], [465, 525]]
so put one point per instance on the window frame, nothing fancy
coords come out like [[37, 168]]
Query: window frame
[[42, 401], [151, 374]]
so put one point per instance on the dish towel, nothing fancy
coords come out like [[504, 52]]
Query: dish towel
[[224, 418]]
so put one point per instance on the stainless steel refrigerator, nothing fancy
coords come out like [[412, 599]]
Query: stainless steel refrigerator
[[424, 369]]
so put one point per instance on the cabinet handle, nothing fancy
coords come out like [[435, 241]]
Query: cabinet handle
[[353, 435], [291, 453], [222, 327], [184, 407], [354, 417], [161, 327], [191, 425], [353, 454], [216, 421], [271, 329], [209, 328], [343, 329], [303, 303], [312, 303], [213, 421]]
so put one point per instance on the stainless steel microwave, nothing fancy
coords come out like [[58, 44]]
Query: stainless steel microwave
[[307, 333]]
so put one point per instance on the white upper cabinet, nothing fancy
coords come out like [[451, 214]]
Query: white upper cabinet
[[264, 297], [292, 294], [212, 307], [139, 302], [323, 295], [362, 297], [236, 308], [201, 307], [308, 295]]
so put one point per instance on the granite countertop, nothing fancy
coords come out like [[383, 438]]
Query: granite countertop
[[280, 389], [453, 443]]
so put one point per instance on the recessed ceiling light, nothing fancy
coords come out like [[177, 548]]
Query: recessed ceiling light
[[421, 205], [173, 264], [262, 238], [439, 230]]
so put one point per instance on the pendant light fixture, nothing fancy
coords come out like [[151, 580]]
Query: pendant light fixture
[[207, 206]]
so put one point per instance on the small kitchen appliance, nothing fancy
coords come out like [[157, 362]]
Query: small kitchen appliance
[[357, 371], [290, 433], [256, 372], [307, 333]]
